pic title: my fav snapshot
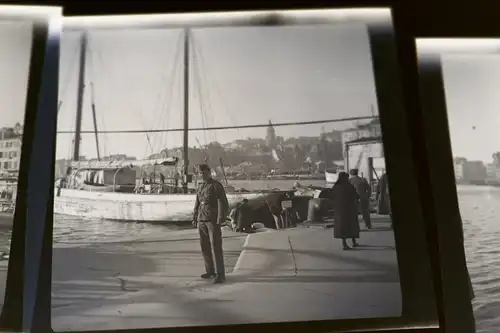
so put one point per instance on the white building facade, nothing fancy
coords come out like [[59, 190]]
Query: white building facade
[[10, 151]]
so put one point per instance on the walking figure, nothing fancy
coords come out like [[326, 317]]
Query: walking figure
[[345, 203], [210, 211], [364, 191]]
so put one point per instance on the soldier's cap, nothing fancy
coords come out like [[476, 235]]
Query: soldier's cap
[[354, 172], [203, 167]]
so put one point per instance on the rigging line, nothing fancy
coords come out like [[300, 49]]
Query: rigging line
[[70, 150], [149, 144], [198, 90], [159, 100], [160, 103], [204, 151], [101, 115], [167, 106], [203, 65], [92, 75], [312, 122], [217, 90], [134, 108], [95, 59], [65, 86], [204, 81], [205, 95], [200, 97], [177, 77]]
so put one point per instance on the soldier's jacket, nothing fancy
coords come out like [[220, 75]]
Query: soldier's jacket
[[362, 187], [211, 202]]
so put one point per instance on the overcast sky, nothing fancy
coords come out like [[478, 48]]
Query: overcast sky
[[245, 76], [472, 85], [15, 41]]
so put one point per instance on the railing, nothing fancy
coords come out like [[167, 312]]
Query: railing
[[114, 178]]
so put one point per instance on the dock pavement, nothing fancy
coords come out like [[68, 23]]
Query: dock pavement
[[286, 275]]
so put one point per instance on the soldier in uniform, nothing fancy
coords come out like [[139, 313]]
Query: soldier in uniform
[[210, 212], [364, 191]]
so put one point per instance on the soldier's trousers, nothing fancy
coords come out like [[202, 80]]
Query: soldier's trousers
[[211, 239]]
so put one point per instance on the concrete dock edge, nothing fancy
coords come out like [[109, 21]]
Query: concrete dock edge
[[242, 254]]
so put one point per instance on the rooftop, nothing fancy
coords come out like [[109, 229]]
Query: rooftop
[[366, 140]]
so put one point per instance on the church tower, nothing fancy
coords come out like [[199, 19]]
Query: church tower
[[271, 136]]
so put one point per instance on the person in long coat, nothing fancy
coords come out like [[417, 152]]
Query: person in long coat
[[244, 217], [384, 199], [345, 203], [384, 207]]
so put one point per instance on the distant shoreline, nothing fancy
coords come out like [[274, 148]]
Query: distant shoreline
[[478, 185]]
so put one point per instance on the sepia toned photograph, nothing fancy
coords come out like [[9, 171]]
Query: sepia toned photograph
[[220, 175], [16, 40], [470, 84]]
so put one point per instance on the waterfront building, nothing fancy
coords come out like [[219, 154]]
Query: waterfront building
[[10, 149], [366, 155], [493, 172], [470, 172], [370, 130], [458, 167]]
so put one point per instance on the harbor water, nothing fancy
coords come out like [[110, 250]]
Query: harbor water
[[480, 210], [479, 206]]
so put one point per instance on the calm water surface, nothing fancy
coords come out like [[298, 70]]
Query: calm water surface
[[480, 209], [78, 230], [479, 206]]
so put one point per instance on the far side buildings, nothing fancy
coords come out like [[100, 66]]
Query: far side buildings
[[363, 150], [472, 172], [10, 149]]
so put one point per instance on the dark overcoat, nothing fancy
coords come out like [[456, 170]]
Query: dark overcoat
[[384, 203], [345, 203]]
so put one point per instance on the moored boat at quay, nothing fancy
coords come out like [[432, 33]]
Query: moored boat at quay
[[108, 190]]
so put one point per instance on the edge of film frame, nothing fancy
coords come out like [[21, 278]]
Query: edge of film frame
[[46, 22], [370, 16], [430, 54], [376, 19]]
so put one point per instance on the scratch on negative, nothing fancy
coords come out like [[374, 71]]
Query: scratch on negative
[[295, 270], [123, 282]]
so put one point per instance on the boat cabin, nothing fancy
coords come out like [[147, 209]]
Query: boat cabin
[[110, 179], [117, 176]]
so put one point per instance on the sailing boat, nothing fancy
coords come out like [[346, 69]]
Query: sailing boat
[[108, 190]]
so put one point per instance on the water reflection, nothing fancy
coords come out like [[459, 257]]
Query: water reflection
[[480, 209]]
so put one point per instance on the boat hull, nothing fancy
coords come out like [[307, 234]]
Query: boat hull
[[134, 207]]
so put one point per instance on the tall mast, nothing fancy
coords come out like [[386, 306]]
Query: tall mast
[[94, 116], [79, 103], [186, 112], [325, 147]]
